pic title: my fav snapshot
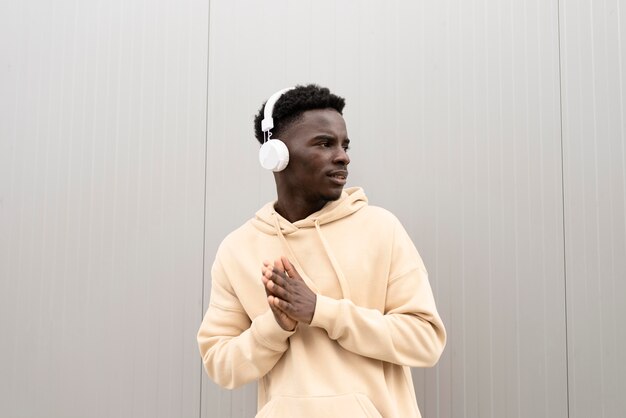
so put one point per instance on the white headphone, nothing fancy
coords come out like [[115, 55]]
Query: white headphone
[[273, 154]]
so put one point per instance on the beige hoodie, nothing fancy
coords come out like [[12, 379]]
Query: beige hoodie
[[375, 314]]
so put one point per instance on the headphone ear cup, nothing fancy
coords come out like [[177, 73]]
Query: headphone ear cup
[[274, 155]]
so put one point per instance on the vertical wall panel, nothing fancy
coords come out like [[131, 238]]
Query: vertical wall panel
[[101, 207], [593, 54], [478, 164]]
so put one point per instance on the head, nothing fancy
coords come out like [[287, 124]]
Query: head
[[308, 119], [290, 106]]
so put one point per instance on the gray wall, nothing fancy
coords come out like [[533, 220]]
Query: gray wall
[[103, 115], [494, 129]]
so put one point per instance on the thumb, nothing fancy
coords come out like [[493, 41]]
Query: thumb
[[289, 269]]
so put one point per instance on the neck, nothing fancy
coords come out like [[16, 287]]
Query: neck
[[294, 209]]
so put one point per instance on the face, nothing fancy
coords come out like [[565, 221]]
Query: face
[[318, 159]]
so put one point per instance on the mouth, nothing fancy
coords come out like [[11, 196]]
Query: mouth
[[338, 177]]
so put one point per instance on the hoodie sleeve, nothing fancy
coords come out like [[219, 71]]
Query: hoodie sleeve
[[234, 349], [409, 332]]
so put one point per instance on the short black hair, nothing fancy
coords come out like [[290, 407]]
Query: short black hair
[[293, 103]]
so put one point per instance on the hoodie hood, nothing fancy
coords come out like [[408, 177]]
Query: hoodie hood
[[352, 199]]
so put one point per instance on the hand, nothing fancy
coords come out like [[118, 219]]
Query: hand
[[281, 317], [287, 291]]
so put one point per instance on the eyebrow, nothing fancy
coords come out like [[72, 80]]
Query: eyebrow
[[325, 136]]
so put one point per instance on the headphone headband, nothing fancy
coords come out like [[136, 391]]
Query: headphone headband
[[268, 122]]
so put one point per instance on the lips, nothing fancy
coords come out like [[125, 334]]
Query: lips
[[339, 176]]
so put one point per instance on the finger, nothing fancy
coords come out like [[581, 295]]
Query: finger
[[277, 290], [271, 300], [289, 269], [266, 277], [282, 305], [278, 264], [268, 284], [268, 292], [274, 309], [283, 319], [274, 303], [267, 272], [275, 276], [266, 266], [278, 278], [278, 269], [271, 288], [265, 283]]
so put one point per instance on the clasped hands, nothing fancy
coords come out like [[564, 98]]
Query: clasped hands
[[289, 297]]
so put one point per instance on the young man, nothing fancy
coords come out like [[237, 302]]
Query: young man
[[320, 297]]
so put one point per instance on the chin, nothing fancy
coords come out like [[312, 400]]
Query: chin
[[333, 195]]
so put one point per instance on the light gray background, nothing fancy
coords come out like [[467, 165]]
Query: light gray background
[[493, 129]]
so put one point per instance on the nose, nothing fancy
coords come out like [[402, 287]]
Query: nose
[[341, 157]]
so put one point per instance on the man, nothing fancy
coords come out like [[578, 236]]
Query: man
[[320, 297]]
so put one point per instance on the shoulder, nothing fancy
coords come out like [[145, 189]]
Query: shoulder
[[378, 215], [375, 223], [236, 239]]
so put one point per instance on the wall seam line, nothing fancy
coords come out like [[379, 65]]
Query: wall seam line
[[567, 374], [204, 206]]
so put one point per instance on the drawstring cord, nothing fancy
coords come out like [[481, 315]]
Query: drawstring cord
[[345, 289], [292, 256]]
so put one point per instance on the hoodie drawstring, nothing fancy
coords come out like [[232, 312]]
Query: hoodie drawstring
[[292, 256], [345, 289]]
